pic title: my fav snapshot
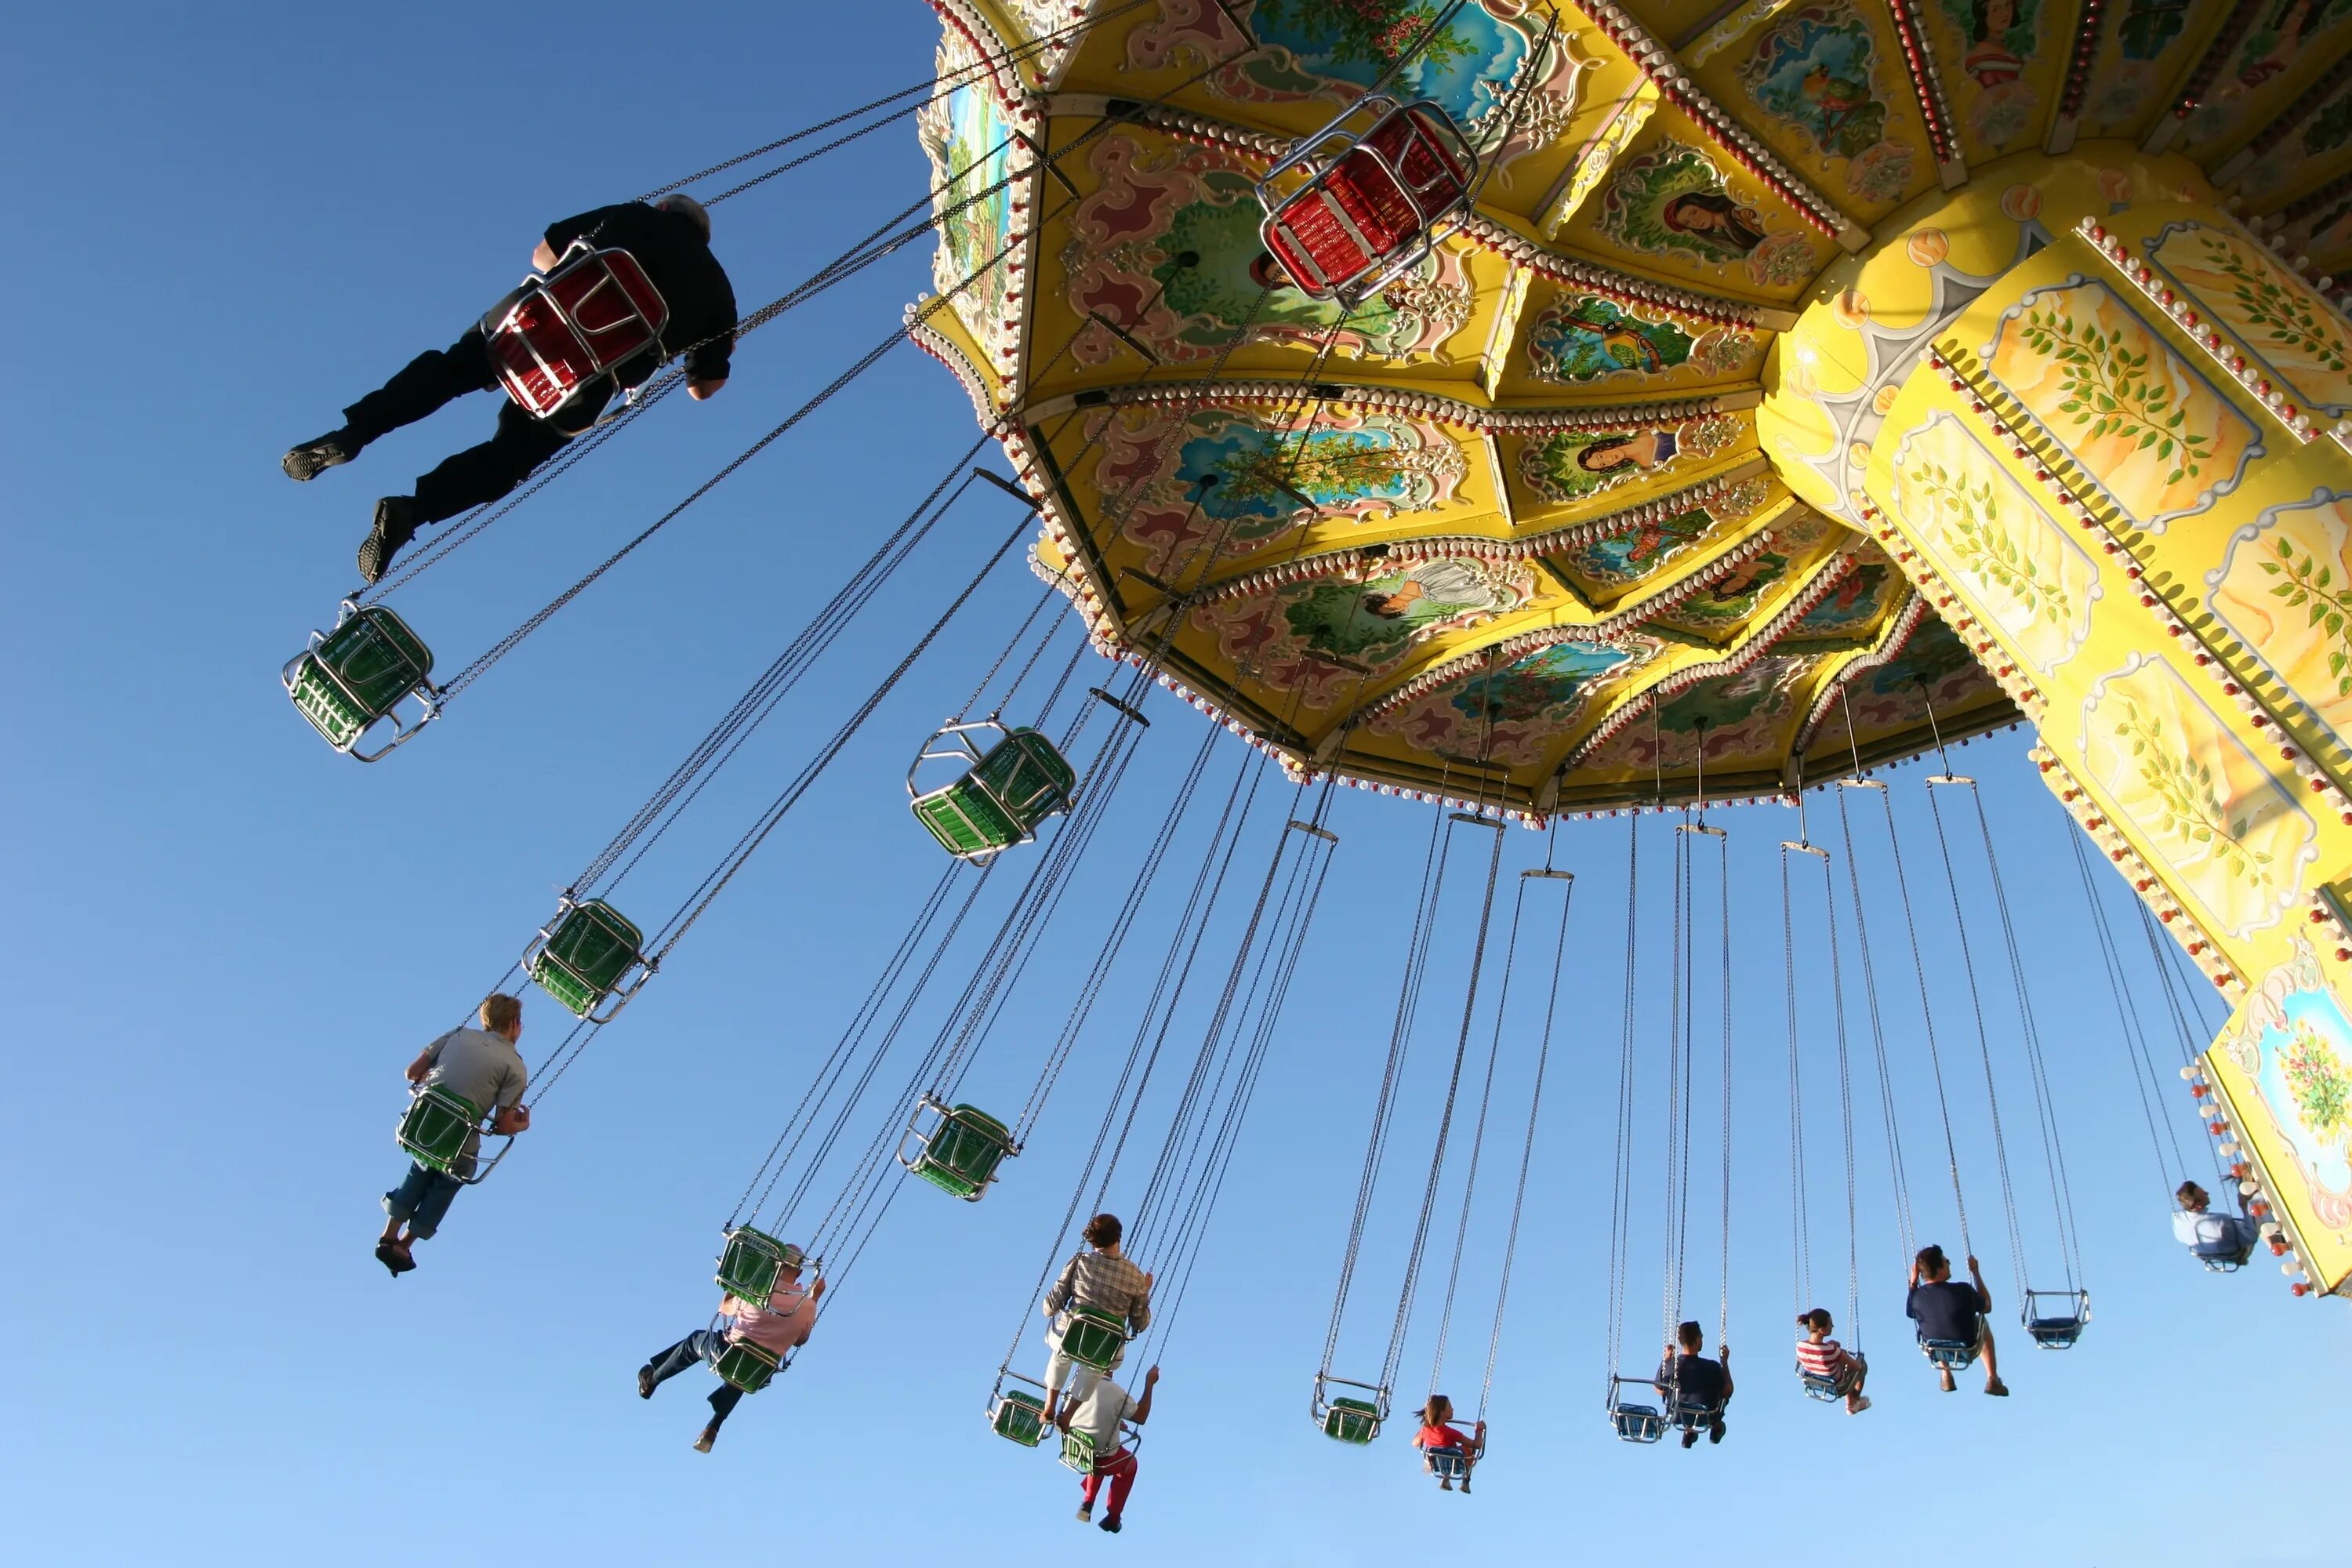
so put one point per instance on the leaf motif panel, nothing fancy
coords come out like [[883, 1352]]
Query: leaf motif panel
[[2159, 438], [2230, 837], [2297, 335], [1982, 529], [2284, 588]]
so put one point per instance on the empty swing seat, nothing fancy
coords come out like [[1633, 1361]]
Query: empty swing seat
[[750, 1262], [1352, 1420], [2058, 1329], [1094, 1338], [960, 1152], [556, 334], [436, 1126], [1020, 1415], [745, 1365], [1005, 795], [1367, 208], [582, 957], [1634, 1420], [356, 676]]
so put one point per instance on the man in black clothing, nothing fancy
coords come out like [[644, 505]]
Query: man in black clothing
[[1945, 1309], [671, 241], [1696, 1388]]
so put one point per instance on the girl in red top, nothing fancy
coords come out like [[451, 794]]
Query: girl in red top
[[1822, 1356], [1445, 1453]]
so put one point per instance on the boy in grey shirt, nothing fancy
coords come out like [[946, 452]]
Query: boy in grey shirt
[[483, 1066]]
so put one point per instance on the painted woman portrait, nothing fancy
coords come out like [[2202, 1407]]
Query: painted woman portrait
[[1991, 60], [1716, 221], [1644, 449]]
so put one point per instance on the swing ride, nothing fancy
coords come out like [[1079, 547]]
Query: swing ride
[[1582, 419]]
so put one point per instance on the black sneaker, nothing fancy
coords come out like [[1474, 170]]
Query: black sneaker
[[1109, 1524], [1690, 1437], [395, 525], [645, 1383], [306, 461], [1715, 1432]]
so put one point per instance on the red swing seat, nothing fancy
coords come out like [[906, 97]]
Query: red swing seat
[[593, 309], [1364, 215]]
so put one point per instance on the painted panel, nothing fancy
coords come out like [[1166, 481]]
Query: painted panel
[[1571, 465], [1672, 200], [2145, 46], [1741, 718], [1852, 607], [2286, 1063], [2017, 562], [2158, 437], [2289, 44], [971, 149], [1518, 713], [1376, 622], [2001, 60], [1346, 466], [1817, 77], [1166, 246], [1577, 339], [2314, 149], [2288, 329], [2228, 835], [2284, 588]]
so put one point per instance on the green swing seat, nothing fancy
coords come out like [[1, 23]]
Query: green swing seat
[[353, 677], [1010, 790], [745, 1365], [961, 1154], [1351, 1420], [1078, 1451], [750, 1261], [436, 1126], [583, 955], [1020, 1415], [1094, 1338]]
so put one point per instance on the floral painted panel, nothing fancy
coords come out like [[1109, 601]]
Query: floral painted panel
[[2293, 1042], [1480, 54], [1672, 200], [1979, 527], [1817, 73], [1265, 479], [1287, 636], [2284, 588], [1167, 249], [2232, 840], [1569, 464], [2155, 434], [1579, 338], [2298, 337], [1517, 714]]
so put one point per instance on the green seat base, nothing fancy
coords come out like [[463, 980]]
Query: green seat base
[[1013, 787], [1020, 1415], [745, 1365], [435, 1126], [1352, 1420], [591, 950], [961, 1153], [358, 674], [1093, 1339]]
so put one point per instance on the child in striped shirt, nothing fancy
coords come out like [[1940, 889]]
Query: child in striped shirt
[[1818, 1356]]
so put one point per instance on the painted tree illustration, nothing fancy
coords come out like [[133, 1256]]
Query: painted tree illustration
[[2187, 806], [2309, 584], [2109, 389]]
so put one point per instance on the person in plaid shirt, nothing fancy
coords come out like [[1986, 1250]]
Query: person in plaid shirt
[[1105, 1280]]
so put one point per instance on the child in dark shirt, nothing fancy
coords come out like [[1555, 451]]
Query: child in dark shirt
[[1947, 1310]]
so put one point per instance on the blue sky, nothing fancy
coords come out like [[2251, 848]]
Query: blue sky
[[224, 944]]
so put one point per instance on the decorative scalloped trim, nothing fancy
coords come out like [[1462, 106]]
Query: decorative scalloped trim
[[1356, 566], [1657, 62], [2078, 63], [1927, 83], [1427, 406], [2217, 53], [967, 20], [2148, 282], [2202, 948], [949, 353], [1908, 622], [1512, 246]]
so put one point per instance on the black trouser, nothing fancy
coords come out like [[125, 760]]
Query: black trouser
[[701, 1346], [478, 474]]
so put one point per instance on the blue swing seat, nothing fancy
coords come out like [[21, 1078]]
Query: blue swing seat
[[2222, 1258], [2057, 1330], [1633, 1421], [1447, 1464], [1826, 1389], [1952, 1355]]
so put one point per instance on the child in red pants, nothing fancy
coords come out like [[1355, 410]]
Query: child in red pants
[[1098, 1418]]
